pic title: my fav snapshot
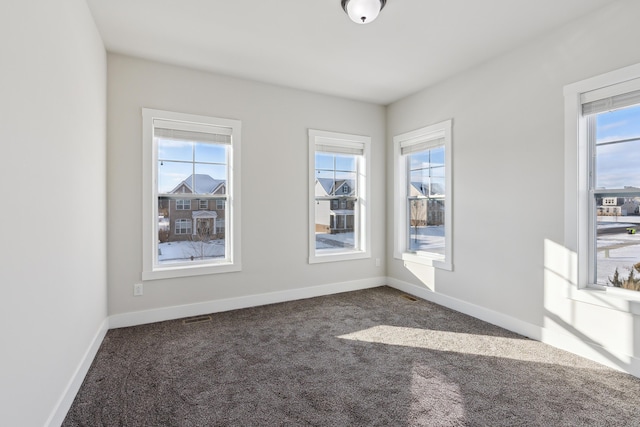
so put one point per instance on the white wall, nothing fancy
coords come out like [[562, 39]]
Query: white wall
[[508, 151], [53, 216], [274, 174]]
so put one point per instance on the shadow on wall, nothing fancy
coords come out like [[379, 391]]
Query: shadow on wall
[[424, 273], [588, 322]]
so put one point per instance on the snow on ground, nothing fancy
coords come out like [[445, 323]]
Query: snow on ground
[[332, 241], [429, 238], [623, 252], [182, 251]]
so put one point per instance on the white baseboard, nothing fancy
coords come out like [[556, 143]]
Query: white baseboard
[[64, 403], [216, 306], [567, 342], [495, 318]]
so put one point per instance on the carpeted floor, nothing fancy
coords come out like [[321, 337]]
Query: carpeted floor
[[362, 358]]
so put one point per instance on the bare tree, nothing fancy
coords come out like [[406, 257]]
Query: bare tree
[[199, 242], [418, 215]]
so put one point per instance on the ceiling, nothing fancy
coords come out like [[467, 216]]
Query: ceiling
[[312, 44]]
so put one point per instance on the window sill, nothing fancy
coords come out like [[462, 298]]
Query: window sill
[[338, 256], [607, 297], [191, 270], [432, 260]]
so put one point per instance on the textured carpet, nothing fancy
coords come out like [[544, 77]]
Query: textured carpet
[[362, 358]]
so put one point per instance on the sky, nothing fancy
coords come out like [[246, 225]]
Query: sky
[[177, 160], [618, 165]]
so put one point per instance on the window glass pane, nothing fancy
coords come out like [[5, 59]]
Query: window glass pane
[[619, 124], [324, 161], [426, 225], [617, 219], [618, 241], [437, 187], [187, 229], [210, 153], [174, 177], [617, 158], [437, 156], [175, 150], [184, 238], [346, 163], [617, 165], [336, 175], [334, 227], [425, 203]]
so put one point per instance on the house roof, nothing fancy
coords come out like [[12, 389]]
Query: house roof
[[204, 184], [329, 184], [423, 188]]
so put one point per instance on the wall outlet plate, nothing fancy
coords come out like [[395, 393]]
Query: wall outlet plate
[[137, 289]]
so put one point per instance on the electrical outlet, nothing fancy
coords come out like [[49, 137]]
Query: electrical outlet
[[137, 290], [377, 262]]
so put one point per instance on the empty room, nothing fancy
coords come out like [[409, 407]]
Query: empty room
[[321, 212]]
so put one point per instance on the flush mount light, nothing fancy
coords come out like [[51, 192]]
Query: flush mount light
[[363, 11]]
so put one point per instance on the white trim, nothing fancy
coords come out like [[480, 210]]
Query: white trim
[[439, 133], [69, 394], [579, 226], [494, 317], [216, 306], [362, 234], [567, 342], [233, 236]]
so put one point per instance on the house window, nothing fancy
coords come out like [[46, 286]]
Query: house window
[[220, 226], [183, 205], [606, 110], [183, 226], [189, 159], [219, 204], [339, 225], [423, 196]]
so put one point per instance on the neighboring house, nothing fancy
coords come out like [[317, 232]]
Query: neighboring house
[[181, 219], [616, 206], [335, 211], [434, 207]]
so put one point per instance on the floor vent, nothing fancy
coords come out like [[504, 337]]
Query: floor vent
[[409, 297], [198, 319]]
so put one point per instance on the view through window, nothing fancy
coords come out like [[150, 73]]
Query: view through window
[[336, 212], [615, 180], [425, 200], [339, 223]]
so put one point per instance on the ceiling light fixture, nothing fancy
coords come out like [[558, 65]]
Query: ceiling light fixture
[[363, 11]]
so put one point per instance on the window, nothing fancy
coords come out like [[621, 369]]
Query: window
[[338, 196], [423, 196], [603, 142], [219, 204], [183, 205], [190, 161], [183, 226]]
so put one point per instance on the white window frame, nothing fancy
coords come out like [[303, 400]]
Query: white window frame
[[183, 221], [203, 202], [362, 233], [218, 205], [183, 204], [151, 270], [579, 225], [435, 133]]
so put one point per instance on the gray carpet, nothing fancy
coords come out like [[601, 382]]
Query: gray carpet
[[362, 358]]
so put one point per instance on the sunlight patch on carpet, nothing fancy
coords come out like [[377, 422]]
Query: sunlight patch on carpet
[[458, 342]]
